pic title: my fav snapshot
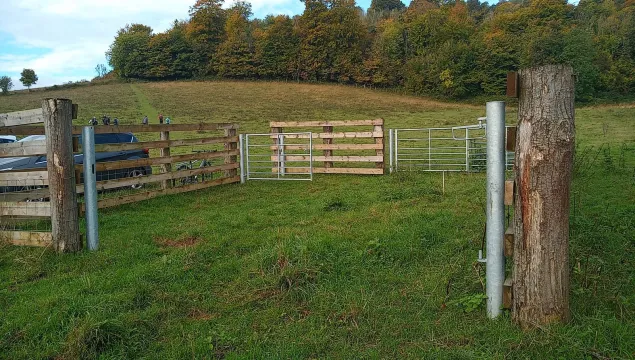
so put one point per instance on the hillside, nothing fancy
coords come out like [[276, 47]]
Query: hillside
[[341, 267]]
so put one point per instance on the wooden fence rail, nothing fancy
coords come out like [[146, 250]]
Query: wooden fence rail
[[375, 135]]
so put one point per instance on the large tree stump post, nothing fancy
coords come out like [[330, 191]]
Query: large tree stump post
[[544, 166], [58, 122]]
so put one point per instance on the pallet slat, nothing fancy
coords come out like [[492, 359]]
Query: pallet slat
[[508, 293], [332, 147], [22, 149], [509, 193], [23, 196], [25, 117], [24, 178], [164, 144], [320, 170], [509, 242], [335, 135], [26, 238], [105, 129], [129, 182], [102, 204], [295, 124], [40, 209], [291, 158], [129, 164]]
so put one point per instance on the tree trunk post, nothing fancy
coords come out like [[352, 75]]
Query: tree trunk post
[[544, 166], [58, 122]]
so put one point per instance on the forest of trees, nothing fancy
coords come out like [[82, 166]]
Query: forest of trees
[[434, 47]]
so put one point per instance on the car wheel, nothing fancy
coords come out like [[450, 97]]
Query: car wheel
[[136, 173]]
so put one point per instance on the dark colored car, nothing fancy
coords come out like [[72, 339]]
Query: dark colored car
[[6, 139], [39, 162]]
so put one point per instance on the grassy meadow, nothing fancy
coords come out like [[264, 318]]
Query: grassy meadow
[[344, 267]]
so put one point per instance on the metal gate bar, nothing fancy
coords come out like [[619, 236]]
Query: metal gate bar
[[270, 160], [441, 149]]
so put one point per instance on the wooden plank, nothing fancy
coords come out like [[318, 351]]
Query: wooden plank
[[24, 178], [22, 149], [509, 241], [356, 171], [131, 181], [131, 164], [509, 193], [512, 84], [25, 209], [23, 196], [26, 238], [332, 147], [369, 158], [121, 200], [508, 293], [26, 117], [231, 159], [335, 135], [296, 124], [379, 141], [510, 139], [328, 141], [163, 144], [77, 130]]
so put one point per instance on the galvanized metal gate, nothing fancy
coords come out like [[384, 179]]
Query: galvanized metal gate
[[452, 149], [278, 156]]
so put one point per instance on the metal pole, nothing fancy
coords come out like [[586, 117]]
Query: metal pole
[[396, 149], [311, 154], [242, 157], [247, 155], [390, 149], [90, 187], [495, 270], [467, 151], [429, 149], [282, 156]]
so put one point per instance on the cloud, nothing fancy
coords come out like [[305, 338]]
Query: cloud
[[65, 39]]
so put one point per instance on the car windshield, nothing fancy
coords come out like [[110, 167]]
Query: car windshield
[[33, 138]]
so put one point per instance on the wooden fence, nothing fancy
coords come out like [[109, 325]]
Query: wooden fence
[[353, 146], [176, 166], [173, 166], [25, 212]]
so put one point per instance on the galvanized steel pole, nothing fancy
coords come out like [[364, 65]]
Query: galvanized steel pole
[[242, 157], [90, 187], [390, 148], [495, 270]]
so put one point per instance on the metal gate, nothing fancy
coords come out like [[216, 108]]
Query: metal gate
[[279, 156], [456, 149]]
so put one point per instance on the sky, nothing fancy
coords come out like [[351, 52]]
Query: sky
[[63, 40]]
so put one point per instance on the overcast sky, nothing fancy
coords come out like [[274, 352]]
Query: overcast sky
[[63, 40]]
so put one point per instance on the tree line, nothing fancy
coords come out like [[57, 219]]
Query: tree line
[[450, 48], [27, 78]]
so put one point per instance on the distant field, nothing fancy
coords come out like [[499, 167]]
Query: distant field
[[342, 267]]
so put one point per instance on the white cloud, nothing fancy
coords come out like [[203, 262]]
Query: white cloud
[[75, 34]]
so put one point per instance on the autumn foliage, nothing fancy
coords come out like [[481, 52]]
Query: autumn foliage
[[451, 48]]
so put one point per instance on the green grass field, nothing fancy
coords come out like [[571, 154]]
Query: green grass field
[[342, 267]]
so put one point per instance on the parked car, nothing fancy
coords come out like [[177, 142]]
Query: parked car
[[6, 139], [39, 162]]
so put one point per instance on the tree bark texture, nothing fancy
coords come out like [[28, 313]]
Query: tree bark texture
[[544, 166], [58, 122]]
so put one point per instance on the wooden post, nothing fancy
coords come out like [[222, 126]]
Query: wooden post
[[328, 129], [58, 122], [544, 165], [231, 159], [380, 140], [165, 152]]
